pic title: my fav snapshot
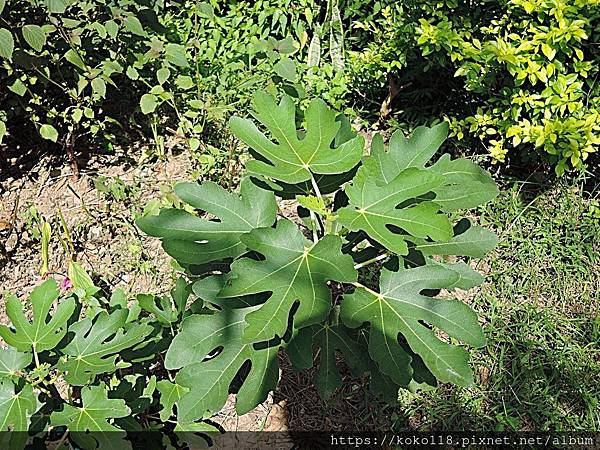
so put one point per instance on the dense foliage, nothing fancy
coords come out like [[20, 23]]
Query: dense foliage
[[81, 363], [60, 61], [83, 369], [526, 71], [513, 77]]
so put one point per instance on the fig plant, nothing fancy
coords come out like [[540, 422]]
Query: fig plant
[[357, 269]]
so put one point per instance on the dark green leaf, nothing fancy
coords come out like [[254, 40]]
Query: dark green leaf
[[97, 343], [7, 44], [294, 269], [194, 240], [176, 54], [208, 376], [399, 309], [35, 36]]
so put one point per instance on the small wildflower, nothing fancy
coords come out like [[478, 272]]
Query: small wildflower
[[66, 284]]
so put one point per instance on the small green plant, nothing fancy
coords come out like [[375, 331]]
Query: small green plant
[[267, 283], [84, 369]]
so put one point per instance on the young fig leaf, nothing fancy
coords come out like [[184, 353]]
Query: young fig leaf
[[43, 332], [96, 344], [91, 425], [16, 407]]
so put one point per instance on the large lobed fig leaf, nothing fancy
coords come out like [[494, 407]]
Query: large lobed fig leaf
[[295, 158], [205, 378], [44, 332], [294, 270], [395, 197], [97, 342], [400, 310], [197, 240], [91, 425]]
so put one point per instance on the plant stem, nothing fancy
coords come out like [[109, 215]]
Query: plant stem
[[313, 218], [362, 286], [315, 186], [371, 261], [36, 357]]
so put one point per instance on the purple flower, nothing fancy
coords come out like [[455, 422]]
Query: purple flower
[[66, 284]]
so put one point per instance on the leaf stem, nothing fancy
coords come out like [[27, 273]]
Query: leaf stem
[[371, 261], [313, 218], [315, 186], [362, 286], [36, 357]]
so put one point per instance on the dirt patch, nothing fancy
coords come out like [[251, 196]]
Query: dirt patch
[[98, 231]]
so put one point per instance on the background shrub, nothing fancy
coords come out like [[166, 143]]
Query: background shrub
[[515, 74]]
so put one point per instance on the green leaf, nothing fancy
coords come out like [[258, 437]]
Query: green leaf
[[7, 44], [294, 269], [373, 208], [163, 75], [548, 51], [404, 152], [97, 343], [11, 361], [194, 240], [94, 419], [170, 394], [132, 73], [82, 283], [336, 37], [466, 185], [99, 87], [330, 339], [133, 25], [44, 332], [209, 378], [162, 307], [312, 203], [399, 309], [2, 131], [18, 87], [475, 242], [184, 82], [112, 28], [176, 54], [56, 6], [291, 159], [167, 310], [16, 407], [286, 69], [148, 103], [95, 414], [2, 5], [74, 58], [314, 49], [35, 36]]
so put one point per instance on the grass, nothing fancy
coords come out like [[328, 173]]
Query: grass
[[540, 308]]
